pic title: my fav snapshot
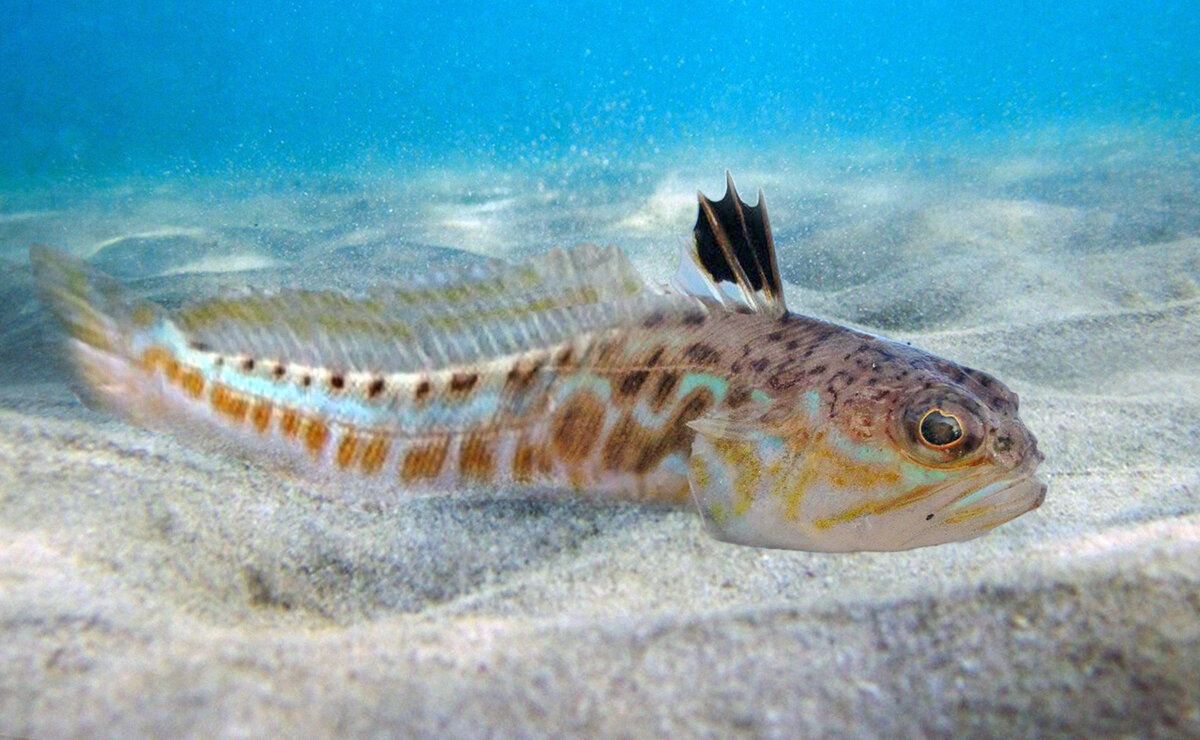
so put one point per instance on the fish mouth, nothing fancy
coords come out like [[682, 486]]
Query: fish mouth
[[971, 511]]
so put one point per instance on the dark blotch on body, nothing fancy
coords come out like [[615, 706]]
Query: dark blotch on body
[[463, 382], [702, 354]]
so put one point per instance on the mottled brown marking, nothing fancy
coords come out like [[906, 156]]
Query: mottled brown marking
[[575, 427], [346, 449], [155, 358], [289, 422], [260, 416], [694, 318], [663, 390], [524, 460], [653, 320], [631, 383], [462, 383], [172, 369], [701, 353], [476, 460], [630, 447], [522, 374], [192, 383], [760, 364], [374, 455], [738, 396], [229, 403], [609, 351], [315, 435], [424, 462], [565, 356]]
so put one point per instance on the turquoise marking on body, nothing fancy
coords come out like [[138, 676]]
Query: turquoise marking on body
[[759, 397], [600, 385], [691, 381], [916, 474], [812, 403]]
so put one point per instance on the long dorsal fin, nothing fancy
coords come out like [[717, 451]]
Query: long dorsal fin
[[445, 319], [732, 244]]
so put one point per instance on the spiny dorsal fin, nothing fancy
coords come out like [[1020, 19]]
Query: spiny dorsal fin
[[732, 244]]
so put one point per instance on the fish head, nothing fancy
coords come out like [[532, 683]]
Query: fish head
[[932, 454]]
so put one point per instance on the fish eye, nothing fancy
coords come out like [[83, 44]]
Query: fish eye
[[937, 427], [940, 429]]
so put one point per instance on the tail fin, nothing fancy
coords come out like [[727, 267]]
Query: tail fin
[[100, 317]]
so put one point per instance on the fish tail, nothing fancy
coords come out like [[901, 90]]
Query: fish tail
[[102, 320]]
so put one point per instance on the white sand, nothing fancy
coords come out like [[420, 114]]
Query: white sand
[[148, 588]]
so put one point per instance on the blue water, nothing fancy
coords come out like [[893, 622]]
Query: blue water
[[102, 89]]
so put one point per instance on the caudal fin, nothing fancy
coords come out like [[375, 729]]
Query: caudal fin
[[100, 317]]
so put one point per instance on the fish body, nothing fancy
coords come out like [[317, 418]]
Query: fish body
[[572, 373]]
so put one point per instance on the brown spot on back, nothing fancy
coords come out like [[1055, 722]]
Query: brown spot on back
[[278, 371], [565, 356], [522, 374], [462, 383], [575, 427], [702, 354], [475, 459], [653, 320], [422, 390], [337, 381], [375, 387], [424, 462], [248, 364]]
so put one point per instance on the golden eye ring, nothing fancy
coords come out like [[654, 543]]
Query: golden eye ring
[[940, 430]]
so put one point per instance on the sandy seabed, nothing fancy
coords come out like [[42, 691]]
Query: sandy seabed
[[148, 588]]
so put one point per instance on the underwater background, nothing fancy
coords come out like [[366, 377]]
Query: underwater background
[[100, 90], [1013, 186]]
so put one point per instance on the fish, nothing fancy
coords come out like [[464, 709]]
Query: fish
[[572, 375]]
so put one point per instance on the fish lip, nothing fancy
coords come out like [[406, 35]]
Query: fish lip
[[1007, 502]]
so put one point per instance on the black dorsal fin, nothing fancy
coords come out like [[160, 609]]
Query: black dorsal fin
[[733, 244]]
